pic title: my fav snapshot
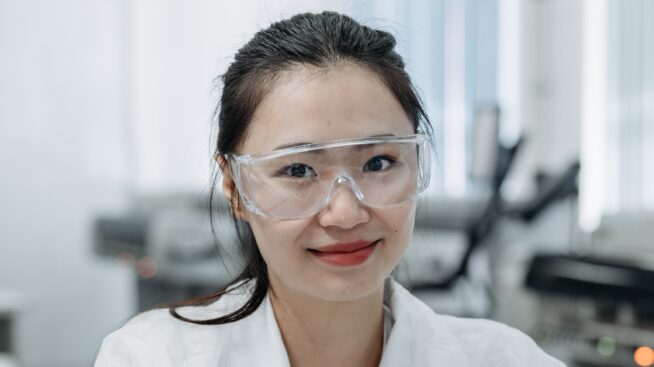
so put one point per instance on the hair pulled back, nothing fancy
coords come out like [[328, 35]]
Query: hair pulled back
[[322, 40]]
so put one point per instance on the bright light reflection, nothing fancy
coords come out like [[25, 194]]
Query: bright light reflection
[[454, 104], [594, 112]]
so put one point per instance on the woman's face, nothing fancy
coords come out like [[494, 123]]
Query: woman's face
[[307, 105]]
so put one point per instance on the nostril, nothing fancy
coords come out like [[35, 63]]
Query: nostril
[[343, 210]]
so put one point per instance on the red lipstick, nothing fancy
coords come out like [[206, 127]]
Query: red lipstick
[[345, 254]]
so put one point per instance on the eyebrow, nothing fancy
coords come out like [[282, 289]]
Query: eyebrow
[[284, 146]]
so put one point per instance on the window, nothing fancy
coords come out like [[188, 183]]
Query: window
[[450, 48], [618, 130]]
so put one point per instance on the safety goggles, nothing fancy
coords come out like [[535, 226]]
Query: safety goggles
[[299, 182]]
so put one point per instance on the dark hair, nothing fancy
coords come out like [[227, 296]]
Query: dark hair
[[321, 40]]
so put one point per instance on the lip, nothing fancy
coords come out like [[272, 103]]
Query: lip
[[346, 254]]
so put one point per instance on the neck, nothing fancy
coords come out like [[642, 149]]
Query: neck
[[318, 332]]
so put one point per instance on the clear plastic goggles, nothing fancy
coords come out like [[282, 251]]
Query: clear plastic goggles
[[298, 182]]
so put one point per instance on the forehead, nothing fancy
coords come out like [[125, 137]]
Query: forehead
[[310, 105]]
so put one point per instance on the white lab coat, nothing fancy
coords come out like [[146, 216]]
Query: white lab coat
[[418, 337]]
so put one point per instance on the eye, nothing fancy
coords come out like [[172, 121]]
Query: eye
[[378, 163], [298, 170]]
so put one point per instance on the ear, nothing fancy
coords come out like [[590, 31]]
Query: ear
[[229, 189]]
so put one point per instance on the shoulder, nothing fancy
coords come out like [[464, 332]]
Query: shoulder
[[156, 338], [490, 343], [477, 342]]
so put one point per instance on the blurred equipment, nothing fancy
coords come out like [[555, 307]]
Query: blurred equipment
[[601, 309], [595, 309], [483, 162], [169, 242], [476, 228], [626, 235], [10, 303]]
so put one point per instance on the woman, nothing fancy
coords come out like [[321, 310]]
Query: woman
[[323, 146]]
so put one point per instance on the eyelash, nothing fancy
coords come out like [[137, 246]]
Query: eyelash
[[284, 171], [390, 161]]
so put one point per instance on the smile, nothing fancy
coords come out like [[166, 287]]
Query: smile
[[346, 254]]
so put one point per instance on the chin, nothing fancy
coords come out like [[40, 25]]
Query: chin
[[346, 288]]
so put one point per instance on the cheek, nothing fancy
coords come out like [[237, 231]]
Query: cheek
[[277, 240], [399, 221]]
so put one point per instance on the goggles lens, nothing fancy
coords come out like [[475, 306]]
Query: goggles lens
[[299, 182]]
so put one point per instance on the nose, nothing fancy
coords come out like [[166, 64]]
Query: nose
[[344, 208]]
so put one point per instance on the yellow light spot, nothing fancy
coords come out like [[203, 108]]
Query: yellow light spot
[[644, 356]]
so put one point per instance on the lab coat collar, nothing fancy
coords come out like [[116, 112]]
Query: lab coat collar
[[418, 337], [414, 339], [258, 341]]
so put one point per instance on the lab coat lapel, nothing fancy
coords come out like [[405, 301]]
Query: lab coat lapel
[[255, 341], [414, 339]]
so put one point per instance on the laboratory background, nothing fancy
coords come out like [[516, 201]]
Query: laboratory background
[[540, 212]]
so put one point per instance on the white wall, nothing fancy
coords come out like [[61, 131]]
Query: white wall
[[549, 94], [62, 159], [176, 51], [553, 61]]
